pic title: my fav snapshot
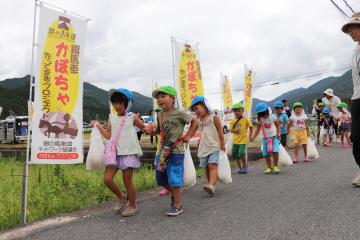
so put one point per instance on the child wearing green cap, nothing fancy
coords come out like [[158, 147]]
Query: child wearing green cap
[[344, 124], [171, 124], [298, 121], [239, 126]]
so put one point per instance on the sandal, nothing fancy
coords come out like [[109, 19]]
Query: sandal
[[121, 204], [129, 211]]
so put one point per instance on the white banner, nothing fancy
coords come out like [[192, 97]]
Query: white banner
[[58, 117], [188, 78]]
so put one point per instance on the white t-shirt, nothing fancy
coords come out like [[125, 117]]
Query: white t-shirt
[[332, 105], [269, 125], [356, 73], [299, 122]]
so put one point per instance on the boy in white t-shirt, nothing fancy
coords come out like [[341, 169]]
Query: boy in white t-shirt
[[301, 130]]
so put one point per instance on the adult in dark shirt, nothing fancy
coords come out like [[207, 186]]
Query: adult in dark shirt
[[286, 107]]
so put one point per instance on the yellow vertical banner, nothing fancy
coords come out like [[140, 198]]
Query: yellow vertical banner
[[227, 96], [248, 90], [188, 82], [57, 118]]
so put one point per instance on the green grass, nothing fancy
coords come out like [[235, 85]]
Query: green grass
[[55, 189]]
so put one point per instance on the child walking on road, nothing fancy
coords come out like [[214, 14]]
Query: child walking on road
[[171, 124], [128, 149], [298, 120], [283, 119], [327, 127], [211, 142], [239, 127], [270, 128], [344, 124]]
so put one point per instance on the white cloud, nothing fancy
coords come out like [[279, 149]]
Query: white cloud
[[128, 42]]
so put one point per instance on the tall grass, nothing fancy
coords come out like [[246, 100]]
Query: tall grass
[[55, 189]]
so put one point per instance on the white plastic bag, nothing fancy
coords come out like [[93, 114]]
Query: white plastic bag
[[229, 143], [189, 169], [224, 170], [284, 157], [312, 152], [96, 155]]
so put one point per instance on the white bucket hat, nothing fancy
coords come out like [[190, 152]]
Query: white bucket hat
[[329, 92], [354, 20]]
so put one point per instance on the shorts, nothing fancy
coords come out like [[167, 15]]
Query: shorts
[[275, 149], [238, 151], [345, 127], [300, 136], [211, 158], [174, 174], [283, 139], [127, 161]]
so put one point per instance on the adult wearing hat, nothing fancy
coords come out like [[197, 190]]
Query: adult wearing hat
[[331, 101], [352, 28]]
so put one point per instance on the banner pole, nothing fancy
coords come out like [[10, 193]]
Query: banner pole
[[173, 62], [26, 163]]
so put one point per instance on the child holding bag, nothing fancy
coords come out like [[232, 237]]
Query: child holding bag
[[301, 132], [344, 124], [270, 128], [123, 138], [171, 124], [211, 142], [239, 128]]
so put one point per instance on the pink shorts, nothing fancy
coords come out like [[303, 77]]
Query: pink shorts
[[127, 161]]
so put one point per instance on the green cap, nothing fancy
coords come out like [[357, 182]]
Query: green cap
[[342, 105], [169, 90], [238, 106], [297, 104], [321, 104]]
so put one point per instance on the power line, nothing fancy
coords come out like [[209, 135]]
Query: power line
[[340, 10], [346, 3], [295, 78]]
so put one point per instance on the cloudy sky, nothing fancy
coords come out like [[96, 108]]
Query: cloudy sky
[[128, 41]]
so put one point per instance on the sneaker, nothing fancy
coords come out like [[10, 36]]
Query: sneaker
[[268, 171], [164, 192], [306, 159], [239, 171], [349, 145], [173, 211], [244, 170], [129, 211], [209, 189], [276, 170], [295, 160], [356, 181], [121, 204]]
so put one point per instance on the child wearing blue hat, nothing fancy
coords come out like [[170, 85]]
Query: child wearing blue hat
[[283, 120], [270, 128], [327, 126], [211, 142], [128, 150]]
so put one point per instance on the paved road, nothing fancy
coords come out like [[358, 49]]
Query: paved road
[[306, 201]]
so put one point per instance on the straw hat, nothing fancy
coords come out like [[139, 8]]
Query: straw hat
[[329, 92], [354, 20]]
